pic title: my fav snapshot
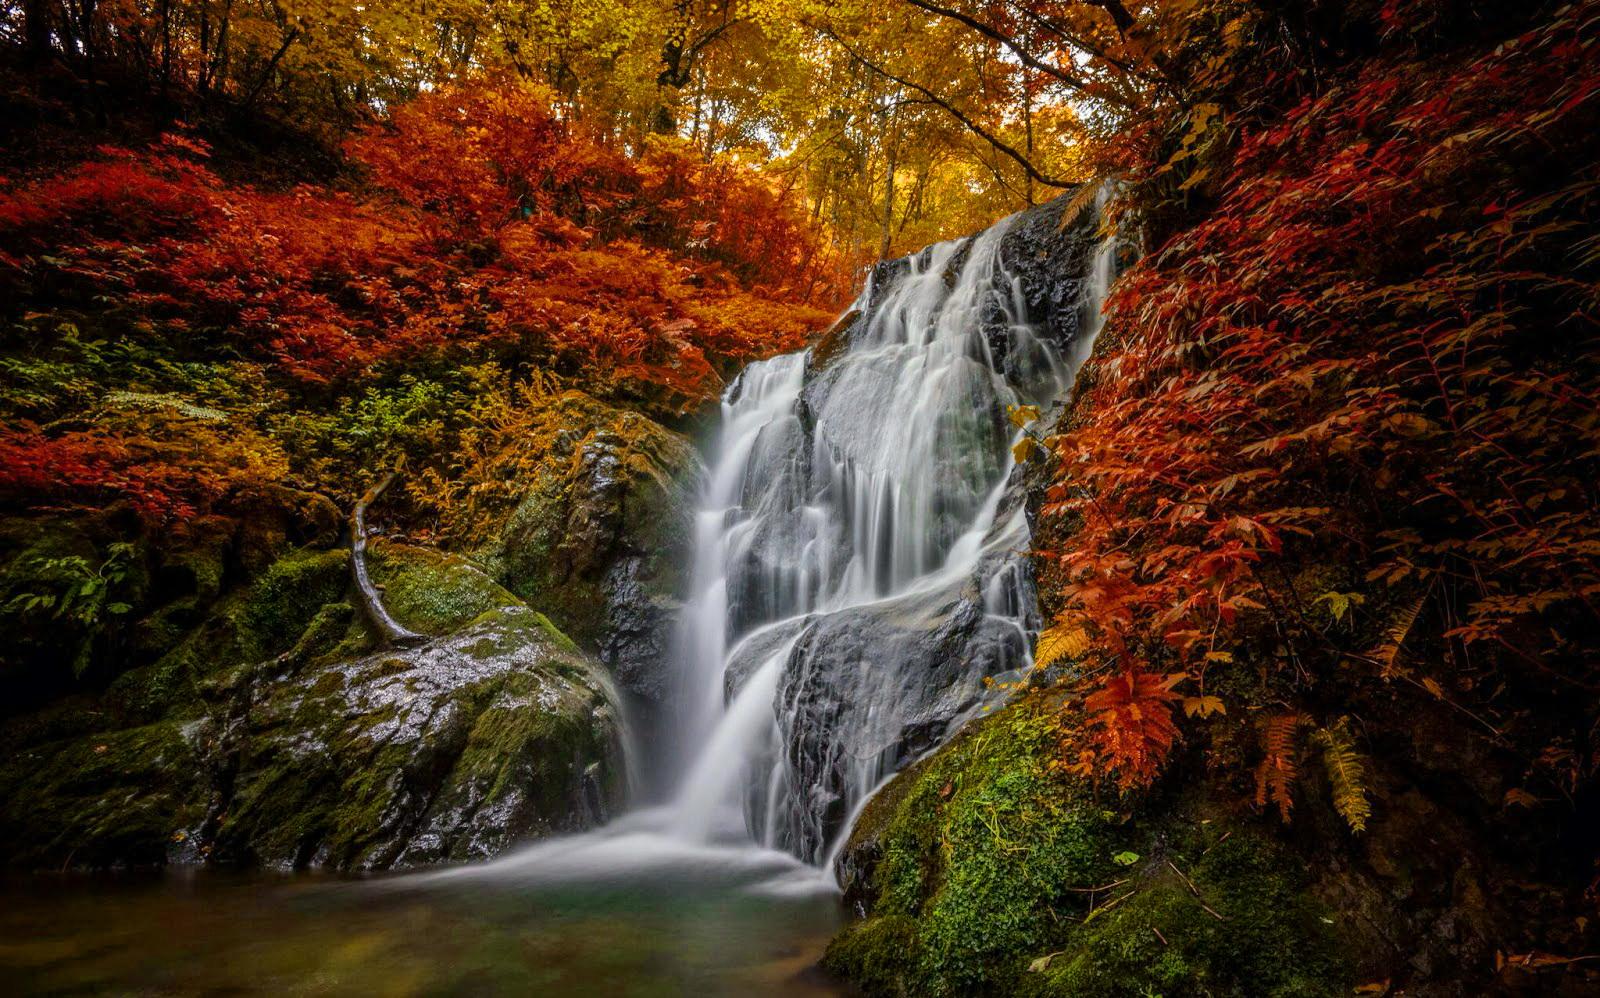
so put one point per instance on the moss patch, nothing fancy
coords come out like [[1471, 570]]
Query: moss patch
[[114, 798], [987, 874], [432, 592]]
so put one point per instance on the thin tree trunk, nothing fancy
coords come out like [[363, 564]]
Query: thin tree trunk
[[391, 633], [36, 30], [890, 148]]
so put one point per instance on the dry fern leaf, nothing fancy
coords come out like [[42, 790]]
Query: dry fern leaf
[[1278, 769], [1388, 653], [1066, 640], [1347, 773], [1082, 199]]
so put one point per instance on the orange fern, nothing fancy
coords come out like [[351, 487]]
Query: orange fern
[[1131, 722], [1278, 769]]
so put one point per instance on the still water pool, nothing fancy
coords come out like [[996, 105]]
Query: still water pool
[[625, 913]]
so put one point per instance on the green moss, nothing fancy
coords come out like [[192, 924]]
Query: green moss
[[983, 850], [432, 592], [986, 861], [1245, 927], [555, 633], [287, 597], [112, 797], [879, 955], [297, 605]]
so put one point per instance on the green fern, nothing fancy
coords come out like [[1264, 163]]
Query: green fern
[[1347, 772]]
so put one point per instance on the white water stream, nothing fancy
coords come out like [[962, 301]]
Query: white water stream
[[865, 490]]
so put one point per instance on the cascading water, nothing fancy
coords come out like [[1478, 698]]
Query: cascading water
[[859, 567], [860, 561]]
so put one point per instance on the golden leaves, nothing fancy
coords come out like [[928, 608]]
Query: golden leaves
[[1022, 415], [1061, 641], [1347, 774]]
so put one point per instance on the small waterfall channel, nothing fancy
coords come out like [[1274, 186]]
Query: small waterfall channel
[[859, 558]]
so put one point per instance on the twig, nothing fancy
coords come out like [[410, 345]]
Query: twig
[[1196, 891], [1096, 890], [1218, 842]]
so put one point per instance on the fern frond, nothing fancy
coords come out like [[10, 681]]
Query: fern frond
[[1347, 773], [1082, 199], [1388, 653], [1059, 641], [1279, 766], [1131, 719]]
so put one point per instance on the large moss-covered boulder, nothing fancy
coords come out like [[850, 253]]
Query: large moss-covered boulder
[[602, 534], [980, 871], [279, 732]]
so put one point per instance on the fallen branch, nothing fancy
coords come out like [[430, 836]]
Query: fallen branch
[[1196, 891], [391, 633]]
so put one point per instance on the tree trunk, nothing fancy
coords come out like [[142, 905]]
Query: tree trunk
[[890, 148], [36, 30], [391, 633]]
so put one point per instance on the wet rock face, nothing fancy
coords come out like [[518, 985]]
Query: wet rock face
[[837, 681], [601, 536], [278, 734], [450, 751], [871, 548], [1049, 260]]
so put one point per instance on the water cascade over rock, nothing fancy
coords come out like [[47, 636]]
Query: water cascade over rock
[[860, 555]]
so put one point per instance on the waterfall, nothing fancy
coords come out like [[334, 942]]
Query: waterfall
[[859, 562], [859, 555]]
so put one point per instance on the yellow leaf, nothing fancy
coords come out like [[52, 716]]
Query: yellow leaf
[[1058, 642], [1204, 706], [1023, 449], [1219, 656], [1433, 687], [1022, 415]]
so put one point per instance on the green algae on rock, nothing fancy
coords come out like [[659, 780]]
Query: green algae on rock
[[979, 871]]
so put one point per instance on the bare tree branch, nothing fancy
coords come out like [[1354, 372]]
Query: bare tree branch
[[391, 633], [994, 140]]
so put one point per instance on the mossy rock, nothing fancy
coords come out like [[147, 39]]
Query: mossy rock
[[112, 799], [304, 743], [432, 592], [601, 535], [452, 750], [981, 871], [1213, 913]]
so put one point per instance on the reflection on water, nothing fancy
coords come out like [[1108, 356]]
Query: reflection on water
[[618, 914]]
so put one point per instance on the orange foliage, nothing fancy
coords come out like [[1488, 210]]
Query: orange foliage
[[164, 468], [1376, 352], [1279, 765], [1131, 724], [490, 230]]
